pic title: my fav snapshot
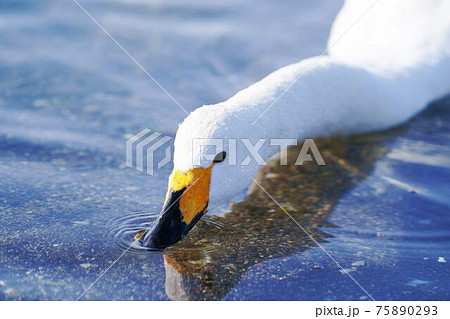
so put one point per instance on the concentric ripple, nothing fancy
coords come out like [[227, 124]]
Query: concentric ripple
[[124, 228]]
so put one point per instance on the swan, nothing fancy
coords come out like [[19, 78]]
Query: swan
[[385, 61], [195, 268]]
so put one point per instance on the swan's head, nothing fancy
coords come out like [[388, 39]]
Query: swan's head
[[203, 176]]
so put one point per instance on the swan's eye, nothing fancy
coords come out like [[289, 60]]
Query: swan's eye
[[220, 157]]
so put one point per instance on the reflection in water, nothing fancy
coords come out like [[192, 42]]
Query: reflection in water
[[216, 254]]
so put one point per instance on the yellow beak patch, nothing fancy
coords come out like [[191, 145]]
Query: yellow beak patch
[[196, 183]]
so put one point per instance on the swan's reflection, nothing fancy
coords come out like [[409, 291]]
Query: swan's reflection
[[214, 256]]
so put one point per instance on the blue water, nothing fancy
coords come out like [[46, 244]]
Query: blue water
[[69, 98]]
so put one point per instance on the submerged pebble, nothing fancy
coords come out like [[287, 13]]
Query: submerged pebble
[[347, 270], [317, 267], [358, 263], [417, 282]]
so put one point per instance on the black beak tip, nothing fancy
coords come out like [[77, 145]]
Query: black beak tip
[[160, 236], [170, 227], [154, 242]]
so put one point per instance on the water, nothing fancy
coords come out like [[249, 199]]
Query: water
[[69, 98]]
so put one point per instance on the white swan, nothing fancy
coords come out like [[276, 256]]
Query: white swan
[[380, 69]]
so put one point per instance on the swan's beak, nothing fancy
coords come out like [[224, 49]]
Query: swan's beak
[[186, 202]]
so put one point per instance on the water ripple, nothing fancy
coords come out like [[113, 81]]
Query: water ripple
[[125, 227]]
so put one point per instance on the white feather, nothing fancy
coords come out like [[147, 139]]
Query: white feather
[[385, 69]]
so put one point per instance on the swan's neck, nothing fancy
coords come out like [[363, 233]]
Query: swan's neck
[[330, 97]]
